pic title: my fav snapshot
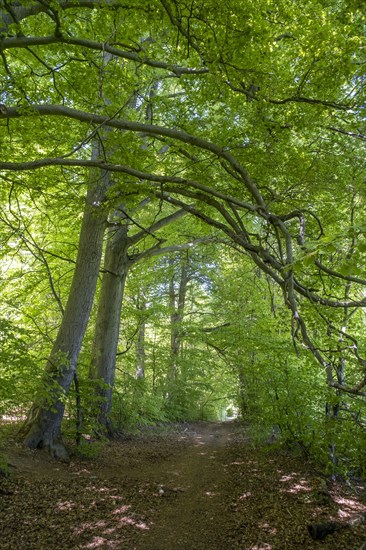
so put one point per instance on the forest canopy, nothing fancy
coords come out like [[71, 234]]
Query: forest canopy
[[182, 218]]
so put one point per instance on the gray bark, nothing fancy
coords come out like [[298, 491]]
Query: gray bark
[[105, 343], [177, 300], [104, 350], [42, 428]]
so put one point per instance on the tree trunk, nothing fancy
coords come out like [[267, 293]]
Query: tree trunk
[[104, 350], [177, 302], [140, 344], [243, 405], [42, 428], [333, 409]]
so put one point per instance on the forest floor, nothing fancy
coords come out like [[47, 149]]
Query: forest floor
[[191, 486]]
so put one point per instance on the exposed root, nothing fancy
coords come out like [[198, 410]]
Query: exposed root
[[318, 531]]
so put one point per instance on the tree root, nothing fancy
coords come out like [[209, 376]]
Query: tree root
[[56, 450], [318, 531]]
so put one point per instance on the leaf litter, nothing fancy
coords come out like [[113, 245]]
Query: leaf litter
[[187, 486]]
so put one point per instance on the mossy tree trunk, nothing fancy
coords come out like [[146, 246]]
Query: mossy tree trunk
[[42, 428]]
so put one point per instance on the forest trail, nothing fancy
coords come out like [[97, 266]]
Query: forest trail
[[192, 486], [195, 490]]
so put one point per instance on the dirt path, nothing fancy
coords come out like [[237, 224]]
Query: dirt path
[[201, 486], [195, 490]]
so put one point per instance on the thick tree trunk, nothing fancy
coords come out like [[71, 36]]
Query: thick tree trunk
[[104, 350], [116, 266], [42, 428]]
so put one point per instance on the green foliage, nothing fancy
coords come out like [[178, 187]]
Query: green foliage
[[4, 466], [18, 368], [136, 407], [90, 448], [257, 110]]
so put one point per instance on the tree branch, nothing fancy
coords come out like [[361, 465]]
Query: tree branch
[[157, 225], [149, 129], [346, 133], [139, 174], [26, 42], [157, 251]]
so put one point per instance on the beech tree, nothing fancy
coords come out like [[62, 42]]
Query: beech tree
[[247, 115], [117, 262], [43, 425]]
